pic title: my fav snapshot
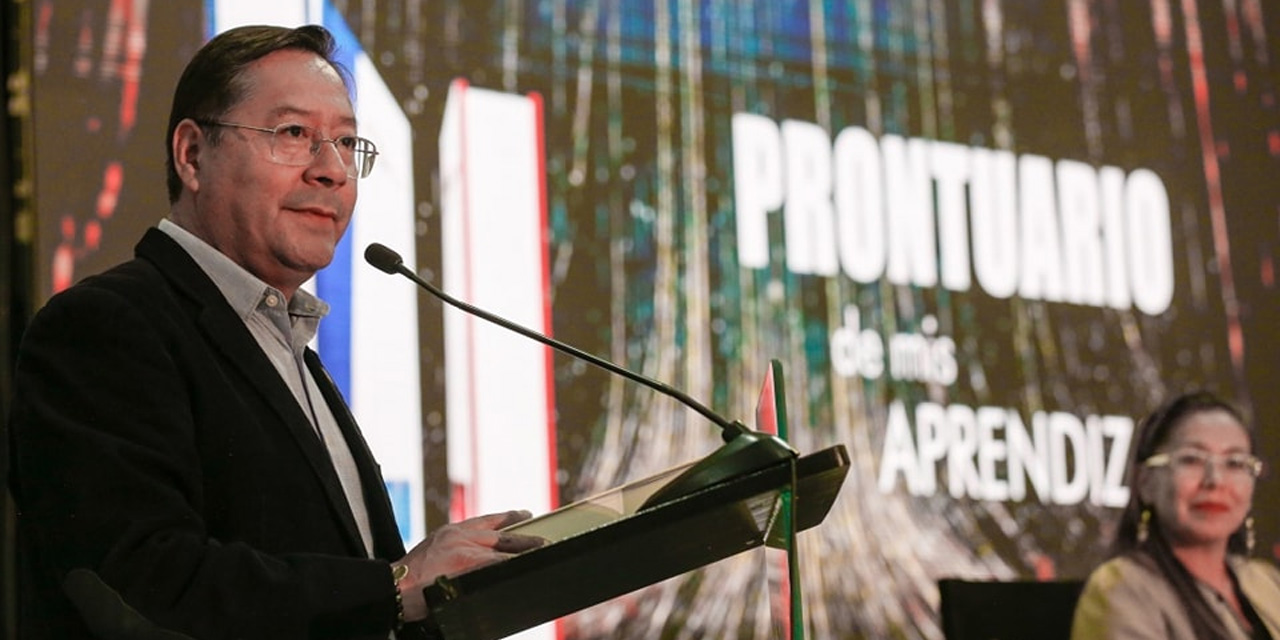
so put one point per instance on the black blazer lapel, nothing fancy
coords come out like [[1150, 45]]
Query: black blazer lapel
[[382, 522], [226, 332]]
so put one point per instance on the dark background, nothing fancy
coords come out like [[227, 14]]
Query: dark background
[[632, 141]]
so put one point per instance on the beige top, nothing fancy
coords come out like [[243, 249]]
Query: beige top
[[1126, 599]]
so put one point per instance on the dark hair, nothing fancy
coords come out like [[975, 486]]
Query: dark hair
[[214, 81], [1155, 552]]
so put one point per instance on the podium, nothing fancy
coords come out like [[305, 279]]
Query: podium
[[614, 543]]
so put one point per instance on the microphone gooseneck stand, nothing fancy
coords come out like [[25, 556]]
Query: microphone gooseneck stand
[[744, 451]]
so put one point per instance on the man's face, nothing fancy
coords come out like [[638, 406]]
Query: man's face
[[282, 223]]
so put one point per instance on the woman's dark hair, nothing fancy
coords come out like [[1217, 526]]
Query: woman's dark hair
[[214, 81], [1153, 432]]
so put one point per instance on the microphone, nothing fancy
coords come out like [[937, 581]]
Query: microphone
[[744, 450]]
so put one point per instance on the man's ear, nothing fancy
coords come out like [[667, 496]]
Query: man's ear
[[188, 143]]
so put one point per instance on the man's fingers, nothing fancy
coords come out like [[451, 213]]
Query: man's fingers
[[496, 521], [462, 546], [511, 517], [516, 543]]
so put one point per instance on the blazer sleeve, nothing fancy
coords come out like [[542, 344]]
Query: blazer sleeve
[[107, 477]]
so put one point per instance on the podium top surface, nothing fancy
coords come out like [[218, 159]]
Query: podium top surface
[[608, 545]]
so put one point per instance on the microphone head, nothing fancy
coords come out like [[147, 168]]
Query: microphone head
[[383, 258]]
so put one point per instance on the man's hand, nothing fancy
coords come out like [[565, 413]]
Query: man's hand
[[455, 548]]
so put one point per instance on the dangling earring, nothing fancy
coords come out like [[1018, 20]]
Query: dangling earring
[[1144, 526], [1249, 539]]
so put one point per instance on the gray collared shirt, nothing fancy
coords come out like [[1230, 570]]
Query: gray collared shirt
[[283, 333]]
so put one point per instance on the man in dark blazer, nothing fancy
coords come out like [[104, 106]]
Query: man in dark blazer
[[181, 463]]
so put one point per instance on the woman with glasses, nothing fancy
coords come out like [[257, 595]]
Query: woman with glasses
[[1180, 567]]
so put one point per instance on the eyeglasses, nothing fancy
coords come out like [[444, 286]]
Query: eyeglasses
[[1194, 462], [297, 145]]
